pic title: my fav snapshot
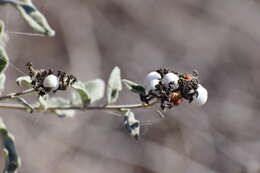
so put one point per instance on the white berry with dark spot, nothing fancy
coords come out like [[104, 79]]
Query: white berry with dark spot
[[150, 85], [153, 75], [202, 96], [51, 81], [171, 78]]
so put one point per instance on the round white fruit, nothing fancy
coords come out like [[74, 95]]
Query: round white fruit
[[153, 75], [202, 96], [150, 85], [171, 77], [51, 81]]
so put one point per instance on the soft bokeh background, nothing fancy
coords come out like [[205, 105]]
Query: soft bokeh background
[[219, 38]]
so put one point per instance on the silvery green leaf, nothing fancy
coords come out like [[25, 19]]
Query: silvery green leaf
[[2, 29], [43, 105], [114, 85], [76, 99], [3, 130], [60, 102], [35, 19], [134, 87], [3, 35], [3, 2], [124, 111], [2, 82], [12, 160], [3, 59], [22, 101], [81, 89], [130, 123], [95, 89], [25, 81], [90, 91]]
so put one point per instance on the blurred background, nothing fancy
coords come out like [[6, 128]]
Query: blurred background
[[220, 39]]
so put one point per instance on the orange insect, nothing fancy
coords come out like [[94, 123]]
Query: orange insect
[[176, 98], [187, 76]]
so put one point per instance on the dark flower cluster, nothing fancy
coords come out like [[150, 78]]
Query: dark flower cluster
[[42, 80]]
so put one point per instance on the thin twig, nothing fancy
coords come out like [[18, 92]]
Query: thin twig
[[12, 95], [12, 106], [108, 107], [26, 34], [53, 108]]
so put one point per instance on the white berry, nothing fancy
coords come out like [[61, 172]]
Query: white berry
[[171, 77], [51, 81], [202, 96], [153, 75], [150, 85]]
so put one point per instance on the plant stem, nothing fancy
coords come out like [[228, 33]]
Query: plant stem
[[108, 107], [12, 95], [105, 107]]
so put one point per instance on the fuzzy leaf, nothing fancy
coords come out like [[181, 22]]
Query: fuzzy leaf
[[85, 98], [76, 99], [131, 124], [3, 35], [61, 102], [2, 82], [34, 18], [3, 59], [95, 89], [114, 85], [90, 91], [3, 130], [3, 2], [2, 29], [25, 81], [134, 87], [42, 104], [12, 161]]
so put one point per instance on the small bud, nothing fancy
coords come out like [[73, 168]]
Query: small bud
[[202, 96], [171, 77], [151, 84], [51, 81]]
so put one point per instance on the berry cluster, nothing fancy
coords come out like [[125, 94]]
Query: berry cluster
[[46, 81], [172, 87]]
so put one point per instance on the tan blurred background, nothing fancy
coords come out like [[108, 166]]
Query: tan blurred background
[[219, 38]]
